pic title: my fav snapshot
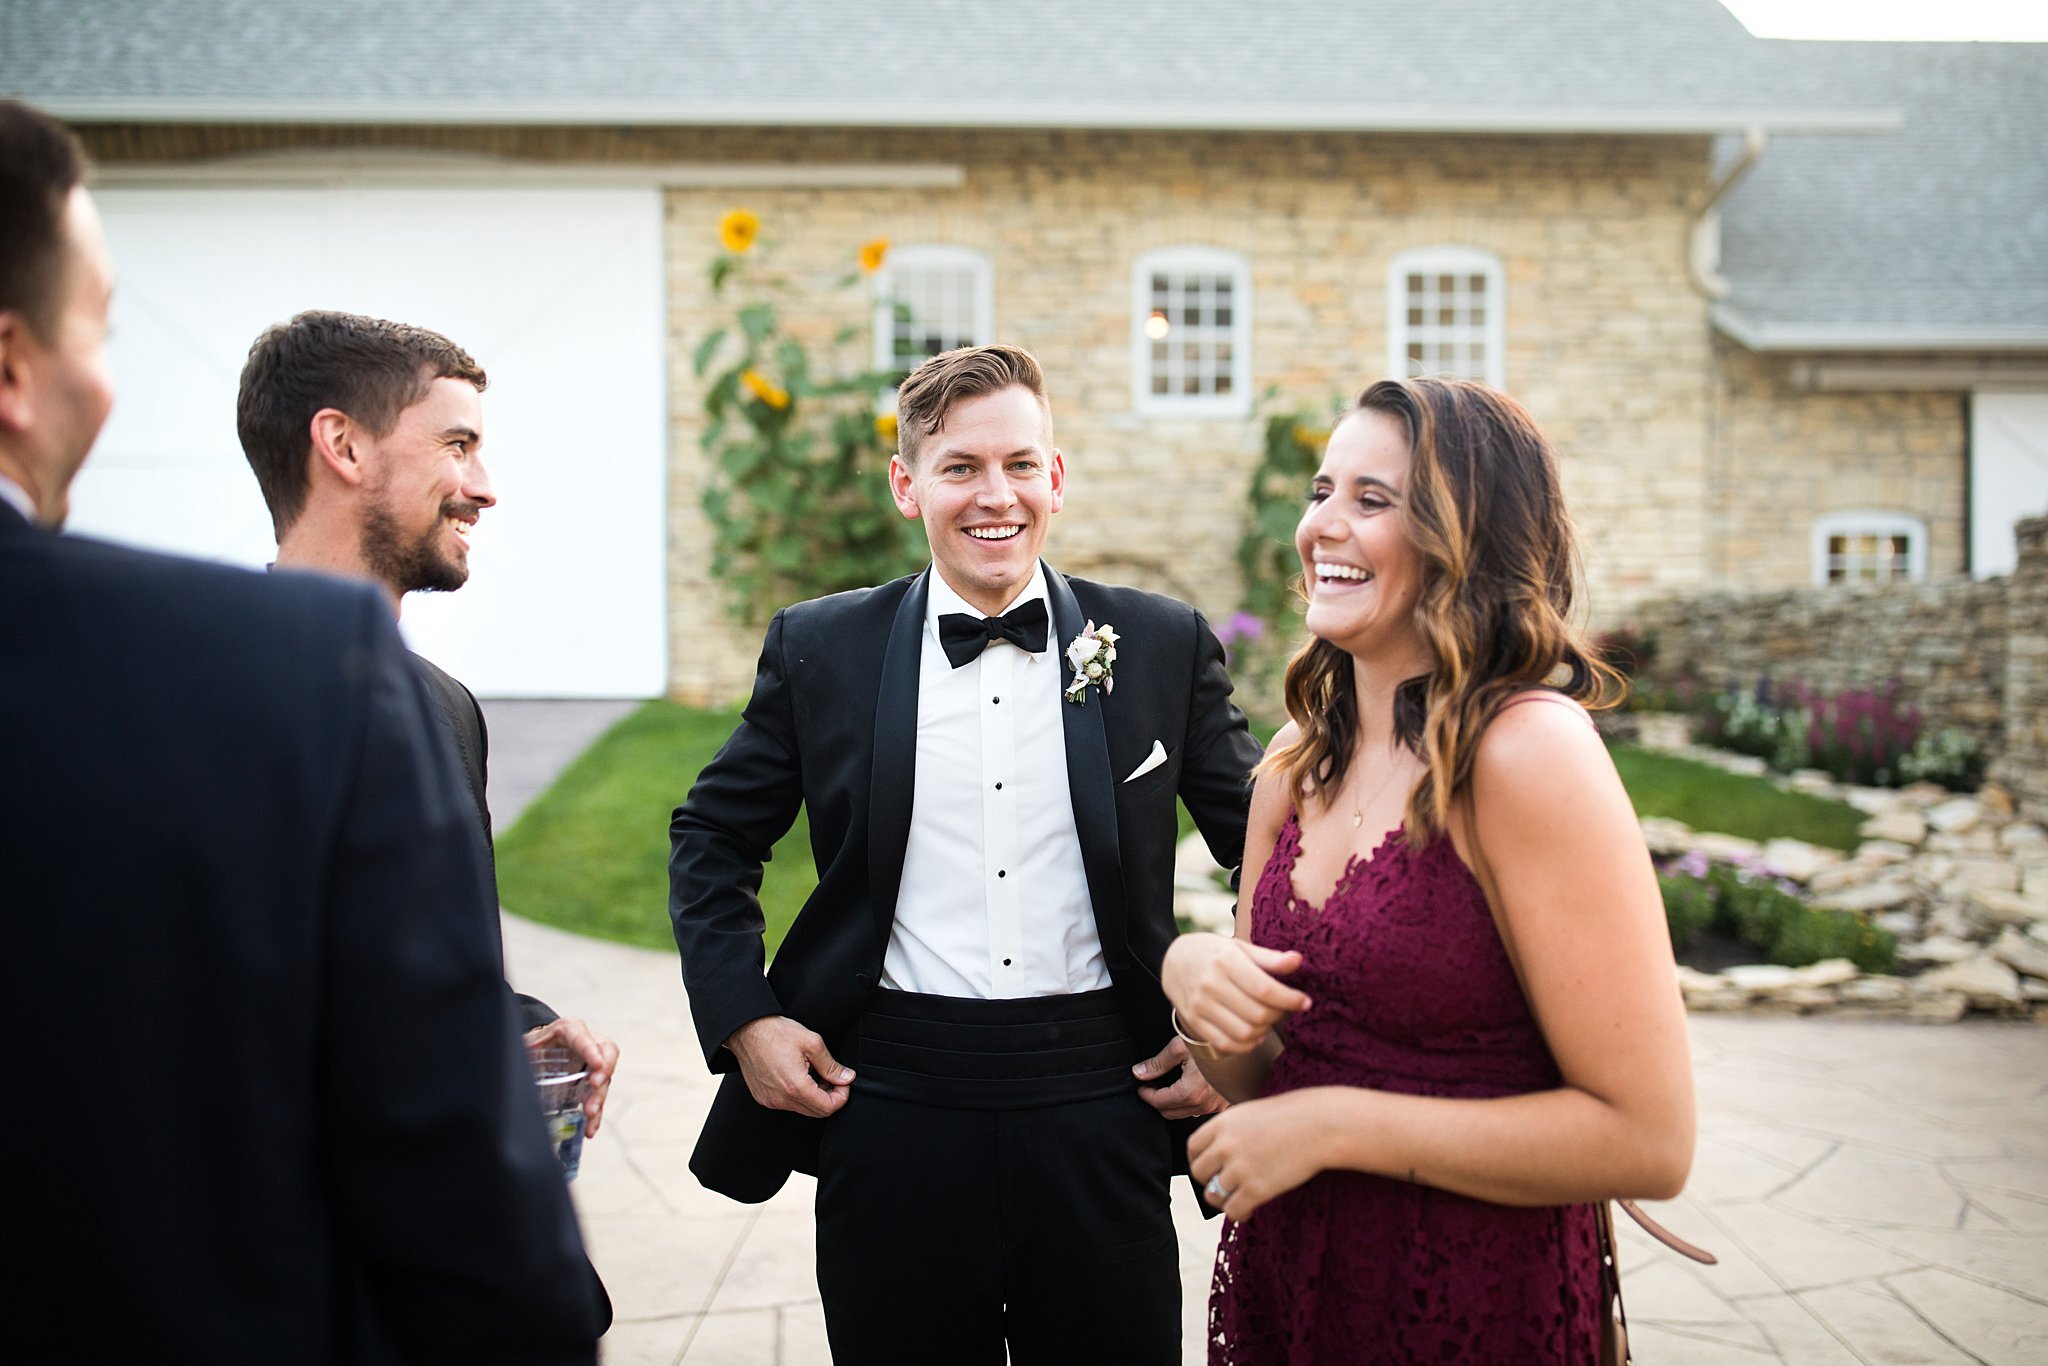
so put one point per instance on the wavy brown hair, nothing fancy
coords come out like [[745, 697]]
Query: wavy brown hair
[[1498, 606]]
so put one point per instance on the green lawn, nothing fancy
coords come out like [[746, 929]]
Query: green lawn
[[591, 855], [1708, 798]]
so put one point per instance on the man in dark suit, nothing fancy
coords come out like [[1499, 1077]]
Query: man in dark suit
[[366, 437], [282, 1114], [963, 1034]]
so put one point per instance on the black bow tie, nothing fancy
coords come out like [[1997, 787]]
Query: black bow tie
[[964, 637]]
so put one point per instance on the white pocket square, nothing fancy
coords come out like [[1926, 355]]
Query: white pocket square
[[1152, 761]]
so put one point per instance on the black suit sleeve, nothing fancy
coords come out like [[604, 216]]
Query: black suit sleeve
[[441, 1173], [1215, 780], [742, 803]]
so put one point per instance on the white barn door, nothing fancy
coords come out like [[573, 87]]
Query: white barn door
[[558, 293], [2008, 474]]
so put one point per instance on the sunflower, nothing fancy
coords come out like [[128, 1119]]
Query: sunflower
[[765, 389], [885, 428], [738, 229], [873, 253]]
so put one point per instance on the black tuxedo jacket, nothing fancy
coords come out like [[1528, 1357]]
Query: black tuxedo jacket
[[269, 1102], [832, 726]]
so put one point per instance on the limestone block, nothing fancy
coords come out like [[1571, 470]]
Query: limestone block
[[1996, 801], [1875, 801], [2034, 883], [1829, 972], [1666, 837], [1870, 898], [1797, 859], [1941, 1008], [1939, 948], [2022, 835], [1731, 848], [1978, 872], [1807, 1000], [1818, 782], [1902, 827], [1874, 990], [1883, 853], [1213, 911], [1984, 981], [1193, 866], [1991, 906], [1904, 924], [1761, 978], [1925, 795], [2038, 930], [2034, 990], [2021, 954], [1955, 817], [1933, 870], [1717, 999]]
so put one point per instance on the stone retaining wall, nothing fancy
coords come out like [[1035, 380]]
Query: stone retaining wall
[[1972, 655]]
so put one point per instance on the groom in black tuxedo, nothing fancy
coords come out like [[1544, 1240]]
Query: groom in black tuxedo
[[963, 1034]]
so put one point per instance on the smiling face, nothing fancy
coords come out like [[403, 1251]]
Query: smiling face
[[1364, 573], [425, 486], [986, 487]]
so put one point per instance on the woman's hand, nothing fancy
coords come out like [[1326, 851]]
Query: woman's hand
[[1258, 1150], [1228, 991]]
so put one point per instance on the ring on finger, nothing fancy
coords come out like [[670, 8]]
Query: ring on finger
[[1217, 1189]]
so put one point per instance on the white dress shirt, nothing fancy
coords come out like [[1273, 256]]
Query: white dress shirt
[[994, 901], [17, 495]]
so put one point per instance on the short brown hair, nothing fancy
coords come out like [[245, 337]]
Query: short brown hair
[[40, 165], [371, 369], [952, 376]]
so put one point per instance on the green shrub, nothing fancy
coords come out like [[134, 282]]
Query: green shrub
[[1813, 935], [1688, 907]]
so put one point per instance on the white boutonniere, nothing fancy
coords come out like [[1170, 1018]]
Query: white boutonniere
[[1093, 657]]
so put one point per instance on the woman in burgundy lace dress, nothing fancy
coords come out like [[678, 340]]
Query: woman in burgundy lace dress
[[1449, 1015]]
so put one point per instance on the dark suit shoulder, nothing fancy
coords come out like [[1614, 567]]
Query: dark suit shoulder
[[856, 609], [194, 602]]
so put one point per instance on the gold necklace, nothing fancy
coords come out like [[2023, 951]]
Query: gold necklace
[[1358, 809]]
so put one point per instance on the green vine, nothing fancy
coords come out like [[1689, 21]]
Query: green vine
[[1266, 555], [798, 497]]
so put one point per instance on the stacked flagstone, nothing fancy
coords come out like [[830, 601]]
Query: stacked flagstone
[[1958, 879]]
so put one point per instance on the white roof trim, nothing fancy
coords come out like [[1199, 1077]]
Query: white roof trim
[[1220, 115], [323, 166], [1875, 336]]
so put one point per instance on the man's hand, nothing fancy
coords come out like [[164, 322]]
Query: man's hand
[[787, 1067], [599, 1054], [1229, 992], [1192, 1095]]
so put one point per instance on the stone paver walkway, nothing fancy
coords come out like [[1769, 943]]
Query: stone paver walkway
[[1878, 1192]]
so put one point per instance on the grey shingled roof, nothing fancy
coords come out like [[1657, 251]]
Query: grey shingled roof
[[1682, 64], [1934, 227], [1936, 231]]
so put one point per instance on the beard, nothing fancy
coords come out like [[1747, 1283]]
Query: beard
[[413, 563]]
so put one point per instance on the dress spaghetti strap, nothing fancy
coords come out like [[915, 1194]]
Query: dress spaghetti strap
[[1547, 695]]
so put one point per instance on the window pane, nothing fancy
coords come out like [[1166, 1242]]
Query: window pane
[[1477, 284], [1446, 283]]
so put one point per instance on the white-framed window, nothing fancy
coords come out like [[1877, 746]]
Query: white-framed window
[[930, 299], [1868, 547], [1447, 315], [1191, 332]]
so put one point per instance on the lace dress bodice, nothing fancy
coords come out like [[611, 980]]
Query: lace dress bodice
[[1413, 993]]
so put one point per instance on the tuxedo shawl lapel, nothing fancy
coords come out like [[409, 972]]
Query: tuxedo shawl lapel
[[893, 770], [1088, 777]]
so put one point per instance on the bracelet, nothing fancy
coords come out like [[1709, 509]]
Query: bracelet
[[1197, 1048]]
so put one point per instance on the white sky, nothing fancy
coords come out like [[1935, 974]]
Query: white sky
[[1917, 20]]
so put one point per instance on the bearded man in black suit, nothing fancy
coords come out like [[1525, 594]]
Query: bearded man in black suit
[[245, 907], [366, 438], [963, 1034]]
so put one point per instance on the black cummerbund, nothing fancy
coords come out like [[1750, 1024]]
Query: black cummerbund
[[1015, 1054]]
